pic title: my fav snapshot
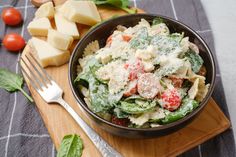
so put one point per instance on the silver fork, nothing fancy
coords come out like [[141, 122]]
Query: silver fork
[[52, 93]]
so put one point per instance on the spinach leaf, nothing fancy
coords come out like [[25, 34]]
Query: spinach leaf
[[71, 146], [85, 75], [176, 37], [169, 68], [141, 41], [115, 98], [121, 4], [101, 99], [166, 70], [195, 60], [133, 108], [93, 70], [98, 95], [188, 105], [167, 44], [133, 98], [12, 82], [157, 21], [142, 33], [120, 114]]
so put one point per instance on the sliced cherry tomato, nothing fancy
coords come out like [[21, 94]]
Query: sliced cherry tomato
[[132, 88], [120, 121], [126, 65], [13, 42], [126, 38], [11, 16], [148, 85], [171, 99], [177, 82], [134, 69]]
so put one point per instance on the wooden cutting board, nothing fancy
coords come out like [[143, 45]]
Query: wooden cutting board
[[209, 123]]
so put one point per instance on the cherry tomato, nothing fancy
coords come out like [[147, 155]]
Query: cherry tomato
[[136, 68], [177, 82], [148, 85], [126, 38], [13, 42], [171, 99], [120, 121], [132, 88], [11, 16]]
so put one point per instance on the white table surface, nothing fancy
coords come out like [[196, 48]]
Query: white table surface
[[222, 18]]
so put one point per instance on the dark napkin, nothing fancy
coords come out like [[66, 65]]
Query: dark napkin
[[22, 131]]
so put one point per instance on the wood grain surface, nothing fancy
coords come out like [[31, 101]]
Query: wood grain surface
[[210, 122]]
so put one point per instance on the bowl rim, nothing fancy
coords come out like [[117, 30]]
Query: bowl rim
[[162, 127]]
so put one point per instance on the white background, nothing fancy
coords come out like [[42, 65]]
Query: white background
[[222, 18]]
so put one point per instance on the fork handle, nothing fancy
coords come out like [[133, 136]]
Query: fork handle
[[105, 149]]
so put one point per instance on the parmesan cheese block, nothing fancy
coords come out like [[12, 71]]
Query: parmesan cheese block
[[45, 10], [84, 12], [46, 54], [39, 27], [65, 26], [59, 40]]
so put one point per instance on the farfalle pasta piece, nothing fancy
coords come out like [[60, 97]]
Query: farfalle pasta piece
[[194, 89], [91, 48]]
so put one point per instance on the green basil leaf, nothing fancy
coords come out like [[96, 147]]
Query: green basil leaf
[[141, 41], [133, 108], [195, 60], [99, 96], [85, 75], [120, 114], [101, 101], [133, 98], [71, 146], [122, 4], [188, 105], [157, 21], [12, 82]]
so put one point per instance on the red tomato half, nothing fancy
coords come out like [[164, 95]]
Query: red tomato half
[[134, 69], [13, 42], [132, 88], [171, 99], [177, 82], [120, 121], [11, 16]]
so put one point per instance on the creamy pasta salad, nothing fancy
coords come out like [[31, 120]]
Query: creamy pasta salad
[[145, 76]]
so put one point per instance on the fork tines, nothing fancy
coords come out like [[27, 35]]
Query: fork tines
[[34, 72]]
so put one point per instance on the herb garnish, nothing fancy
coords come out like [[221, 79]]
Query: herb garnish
[[71, 146], [121, 4], [12, 82]]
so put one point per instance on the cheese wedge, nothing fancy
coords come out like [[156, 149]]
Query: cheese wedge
[[59, 40], [39, 27], [65, 26], [84, 12], [45, 10], [47, 55]]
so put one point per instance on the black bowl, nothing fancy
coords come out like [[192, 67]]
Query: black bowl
[[101, 33]]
